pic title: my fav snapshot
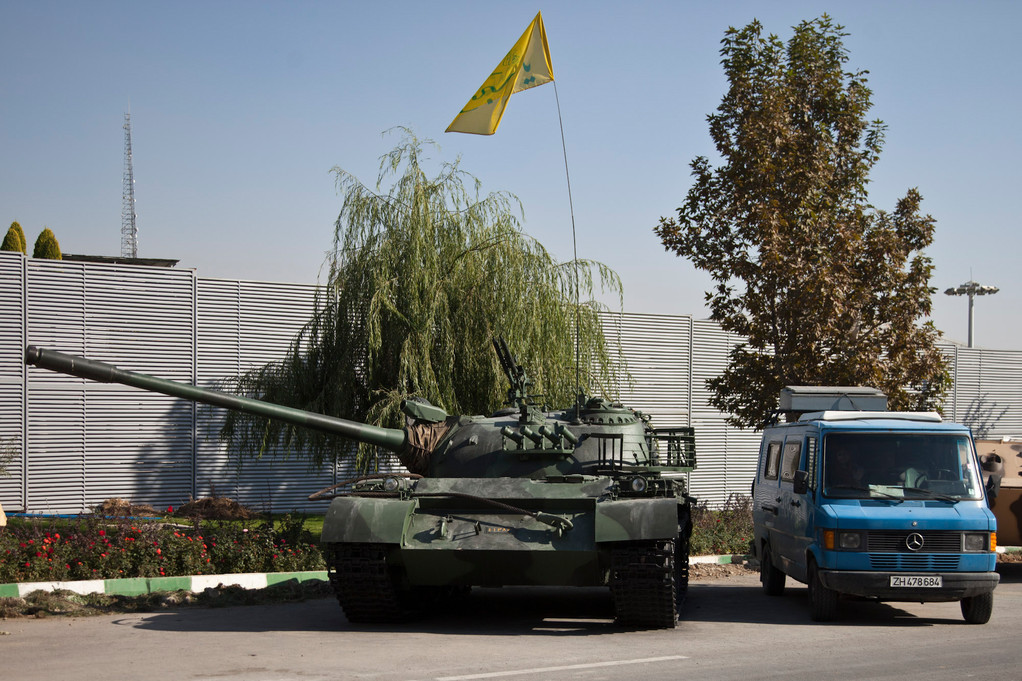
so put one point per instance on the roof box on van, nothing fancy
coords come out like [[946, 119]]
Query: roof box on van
[[925, 416], [806, 398]]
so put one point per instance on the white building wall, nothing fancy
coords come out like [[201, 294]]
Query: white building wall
[[80, 442]]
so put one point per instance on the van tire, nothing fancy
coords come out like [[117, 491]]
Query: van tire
[[977, 609], [822, 601], [771, 577]]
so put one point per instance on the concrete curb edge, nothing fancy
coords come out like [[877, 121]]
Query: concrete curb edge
[[137, 586]]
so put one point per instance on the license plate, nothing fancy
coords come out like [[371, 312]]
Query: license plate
[[917, 581]]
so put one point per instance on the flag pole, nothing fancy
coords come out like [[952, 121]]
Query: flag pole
[[574, 252]]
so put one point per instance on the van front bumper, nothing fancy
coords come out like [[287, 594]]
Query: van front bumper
[[956, 585]]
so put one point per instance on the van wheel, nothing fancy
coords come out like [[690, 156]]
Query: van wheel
[[822, 601], [977, 609], [771, 577]]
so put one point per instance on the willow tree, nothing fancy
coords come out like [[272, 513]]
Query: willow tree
[[827, 289], [424, 273]]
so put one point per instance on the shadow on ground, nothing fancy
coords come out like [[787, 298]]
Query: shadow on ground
[[566, 612]]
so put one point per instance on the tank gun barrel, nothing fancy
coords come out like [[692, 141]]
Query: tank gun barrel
[[388, 438]]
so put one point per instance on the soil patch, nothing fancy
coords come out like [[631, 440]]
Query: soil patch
[[123, 508], [707, 571], [216, 508]]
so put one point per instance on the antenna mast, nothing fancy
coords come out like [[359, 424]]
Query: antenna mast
[[129, 230]]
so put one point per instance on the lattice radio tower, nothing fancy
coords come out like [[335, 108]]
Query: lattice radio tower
[[129, 230]]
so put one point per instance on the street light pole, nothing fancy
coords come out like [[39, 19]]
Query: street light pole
[[971, 289]]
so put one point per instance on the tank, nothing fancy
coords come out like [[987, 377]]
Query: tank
[[590, 495]]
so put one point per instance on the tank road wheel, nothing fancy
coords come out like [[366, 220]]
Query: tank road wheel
[[822, 601], [771, 577], [368, 588], [977, 609], [643, 584]]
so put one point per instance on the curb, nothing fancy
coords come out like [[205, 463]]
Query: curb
[[137, 586], [718, 560]]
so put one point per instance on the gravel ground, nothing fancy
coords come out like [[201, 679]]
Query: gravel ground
[[698, 572]]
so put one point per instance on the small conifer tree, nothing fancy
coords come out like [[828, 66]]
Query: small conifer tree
[[15, 239], [46, 246]]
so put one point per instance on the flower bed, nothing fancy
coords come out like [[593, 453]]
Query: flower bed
[[90, 547]]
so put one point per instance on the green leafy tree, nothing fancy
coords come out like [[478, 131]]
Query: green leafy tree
[[14, 240], [423, 274], [827, 289], [46, 246]]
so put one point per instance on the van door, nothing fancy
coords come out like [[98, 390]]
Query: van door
[[803, 509], [792, 514], [766, 503]]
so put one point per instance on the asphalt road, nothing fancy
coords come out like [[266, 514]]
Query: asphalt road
[[730, 630]]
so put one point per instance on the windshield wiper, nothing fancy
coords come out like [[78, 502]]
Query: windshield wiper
[[932, 494], [869, 492]]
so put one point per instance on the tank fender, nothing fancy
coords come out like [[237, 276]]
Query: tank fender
[[631, 519], [366, 520]]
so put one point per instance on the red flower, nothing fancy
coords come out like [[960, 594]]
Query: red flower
[[170, 509], [102, 532]]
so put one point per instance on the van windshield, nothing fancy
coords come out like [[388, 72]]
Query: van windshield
[[900, 466]]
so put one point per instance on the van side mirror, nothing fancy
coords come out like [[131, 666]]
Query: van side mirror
[[800, 482]]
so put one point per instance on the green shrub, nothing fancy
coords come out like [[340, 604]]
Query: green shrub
[[46, 246], [723, 531], [14, 240]]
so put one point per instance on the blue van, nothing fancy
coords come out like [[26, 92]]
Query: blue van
[[871, 503]]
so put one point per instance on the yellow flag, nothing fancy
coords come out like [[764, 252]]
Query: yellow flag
[[526, 65]]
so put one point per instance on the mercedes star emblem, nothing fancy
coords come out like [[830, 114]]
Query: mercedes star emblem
[[914, 541]]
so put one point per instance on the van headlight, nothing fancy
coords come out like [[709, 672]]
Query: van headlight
[[976, 541], [842, 541], [849, 541]]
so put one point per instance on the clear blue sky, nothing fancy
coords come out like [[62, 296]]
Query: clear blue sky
[[240, 110]]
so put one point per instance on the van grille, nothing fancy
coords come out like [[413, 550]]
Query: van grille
[[896, 561], [895, 542]]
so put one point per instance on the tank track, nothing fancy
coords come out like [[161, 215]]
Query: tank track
[[681, 551], [367, 586], [644, 583]]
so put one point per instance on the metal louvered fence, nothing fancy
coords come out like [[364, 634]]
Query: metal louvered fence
[[80, 442]]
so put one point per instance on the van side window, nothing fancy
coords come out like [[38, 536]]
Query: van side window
[[811, 461], [792, 455], [773, 460]]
